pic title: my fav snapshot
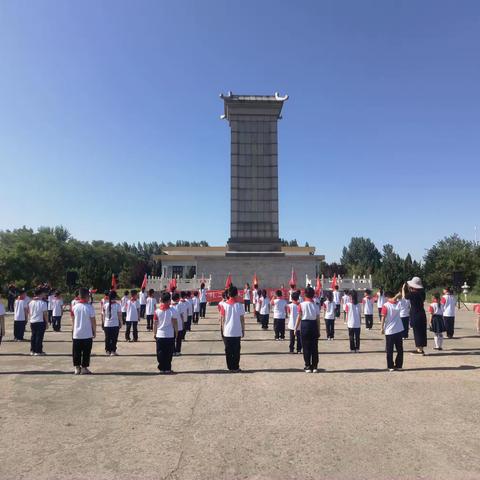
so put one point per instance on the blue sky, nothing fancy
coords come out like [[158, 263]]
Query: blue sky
[[110, 117]]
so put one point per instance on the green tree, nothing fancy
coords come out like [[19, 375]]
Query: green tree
[[391, 274], [361, 257]]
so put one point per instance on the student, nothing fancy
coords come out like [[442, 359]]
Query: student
[[345, 299], [354, 321], [38, 316], [203, 300], [2, 319], [165, 326], [392, 327], [437, 325], [292, 312], [246, 298], [279, 314], [264, 310], [196, 307], [449, 303], [150, 309], [380, 299], [336, 299], [50, 305], [143, 302], [405, 314], [368, 309], [413, 290], [184, 310], [133, 314], [74, 301], [232, 322], [257, 294], [123, 304], [103, 301], [11, 295], [188, 299], [476, 309], [112, 313], [308, 322], [329, 308], [292, 290], [20, 316], [84, 331], [57, 311], [180, 316]]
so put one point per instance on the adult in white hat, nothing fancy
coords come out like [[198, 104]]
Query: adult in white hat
[[413, 290]]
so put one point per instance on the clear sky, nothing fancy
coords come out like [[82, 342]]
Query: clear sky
[[110, 117]]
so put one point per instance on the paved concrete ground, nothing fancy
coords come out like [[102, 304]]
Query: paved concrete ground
[[353, 420]]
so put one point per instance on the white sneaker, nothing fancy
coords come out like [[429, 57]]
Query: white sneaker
[[308, 371], [32, 354], [77, 371], [315, 370], [114, 354], [391, 369]]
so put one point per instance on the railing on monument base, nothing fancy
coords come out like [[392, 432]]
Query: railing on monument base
[[357, 282], [161, 283]]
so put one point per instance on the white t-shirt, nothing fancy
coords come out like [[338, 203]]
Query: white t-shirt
[[309, 310], [36, 309], [132, 310], [292, 315], [436, 308], [354, 315], [123, 303], [189, 303], [232, 312], [203, 295], [82, 323], [112, 320], [254, 296], [177, 310], [264, 306], [393, 322], [381, 301], [279, 308], [329, 308], [367, 305], [246, 294], [196, 304], [19, 310], [164, 317], [142, 297], [345, 300], [404, 307], [57, 304], [50, 304], [449, 303], [151, 304], [2, 308], [336, 297]]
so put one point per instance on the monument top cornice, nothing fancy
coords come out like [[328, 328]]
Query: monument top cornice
[[252, 105]]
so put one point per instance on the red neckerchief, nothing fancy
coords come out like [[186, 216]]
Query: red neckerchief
[[393, 302], [82, 301], [164, 306], [309, 300], [231, 301]]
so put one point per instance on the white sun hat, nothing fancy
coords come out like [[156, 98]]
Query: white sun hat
[[415, 282]]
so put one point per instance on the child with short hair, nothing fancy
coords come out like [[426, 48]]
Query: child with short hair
[[84, 331], [392, 327], [336, 299], [196, 307], [183, 307], [345, 299], [380, 299], [189, 301], [179, 314], [437, 325], [143, 302], [165, 326], [38, 316], [257, 295], [150, 309], [264, 310], [123, 305], [368, 309], [279, 314], [112, 314], [329, 309], [133, 315], [354, 321], [57, 311], [292, 311], [449, 303], [404, 304], [20, 308], [246, 298]]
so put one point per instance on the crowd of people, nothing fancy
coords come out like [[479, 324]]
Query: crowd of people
[[170, 317]]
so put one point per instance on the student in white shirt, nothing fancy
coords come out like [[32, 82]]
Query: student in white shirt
[[143, 302], [165, 326], [203, 300], [20, 309], [380, 299], [246, 298], [256, 295], [308, 322], [404, 304], [354, 321], [112, 314], [183, 308], [150, 309], [392, 327], [123, 304], [264, 310], [449, 303], [2, 319], [133, 314], [336, 299], [180, 315], [279, 314], [345, 299], [50, 305], [292, 311], [232, 322], [437, 325], [38, 315], [103, 301], [84, 331], [329, 308], [57, 311], [196, 307], [367, 303], [188, 299]]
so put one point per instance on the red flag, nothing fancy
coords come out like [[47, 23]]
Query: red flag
[[228, 283], [114, 282], [144, 283], [255, 279], [334, 282], [293, 278], [318, 287]]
